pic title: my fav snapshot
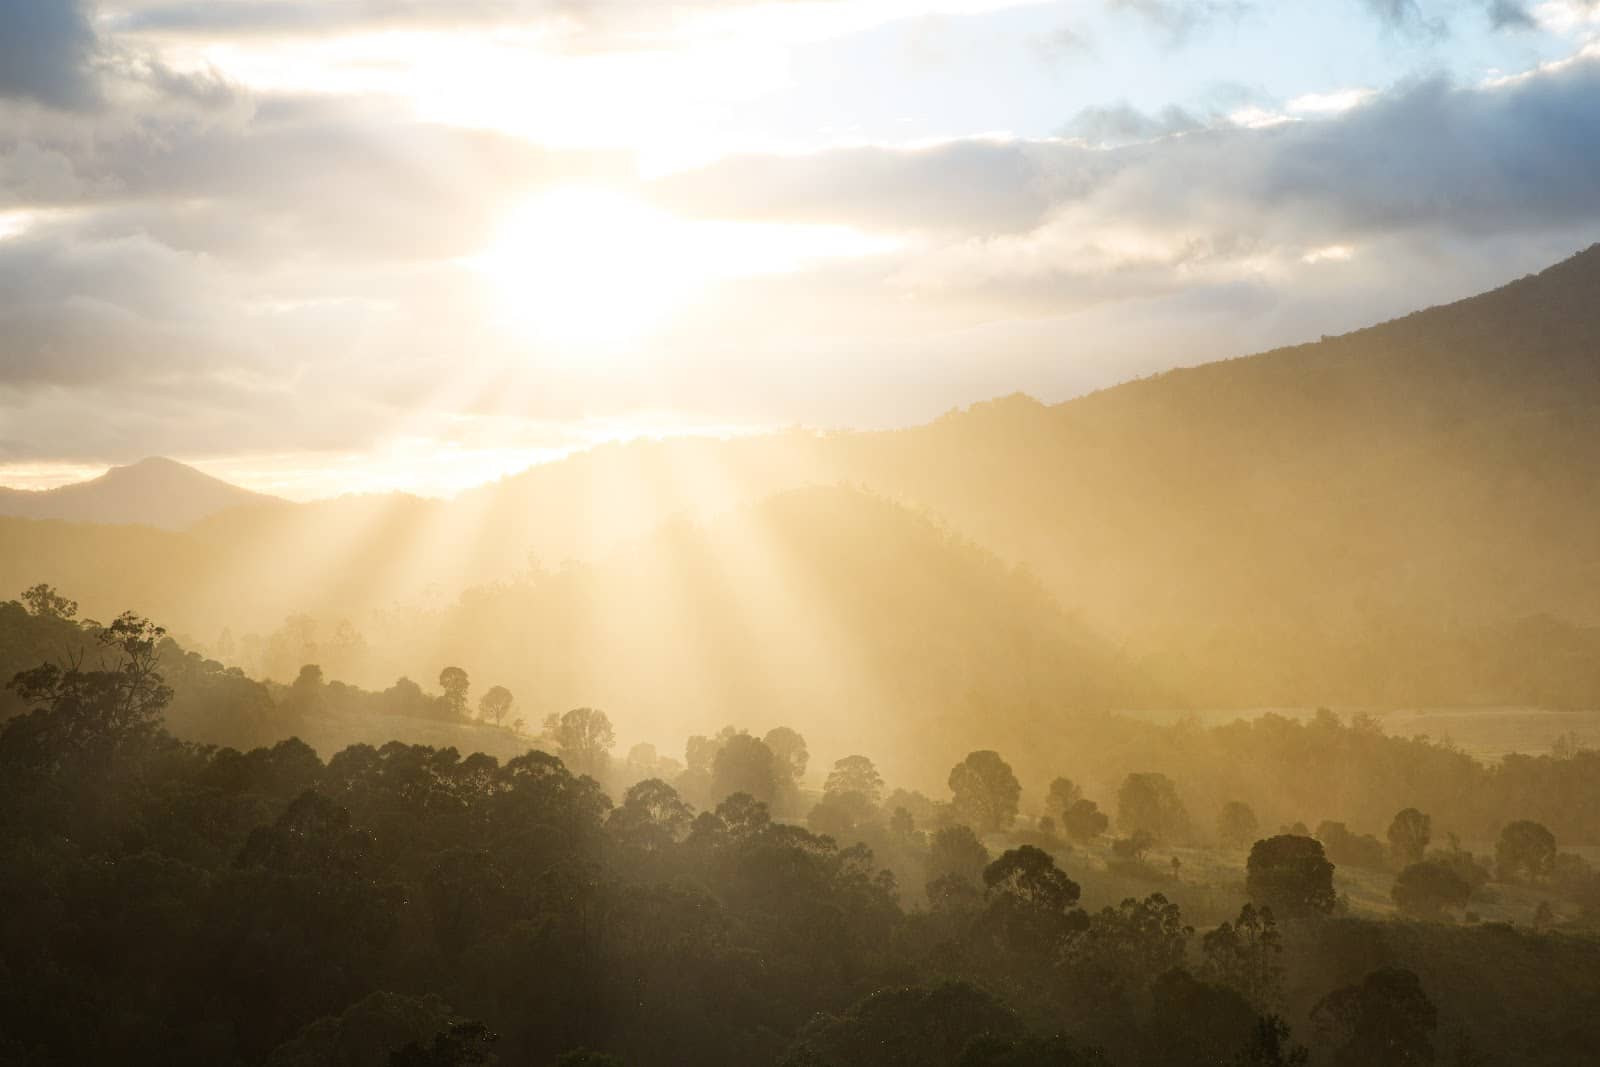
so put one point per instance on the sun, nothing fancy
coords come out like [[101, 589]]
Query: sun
[[586, 267]]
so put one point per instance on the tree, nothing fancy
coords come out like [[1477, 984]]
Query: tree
[[366, 1033], [1244, 955], [744, 764], [1236, 824], [790, 757], [584, 738], [1289, 874], [1525, 849], [903, 1027], [840, 814], [1194, 1022], [1028, 877], [1084, 821], [1349, 849], [99, 711], [789, 751], [1113, 963], [991, 1050], [742, 815], [1150, 802], [454, 682], [463, 891], [901, 824], [465, 1044], [1270, 1046], [855, 774], [43, 600], [1409, 834], [1134, 847], [495, 705], [1031, 901], [1424, 890], [985, 791], [1062, 795], [956, 850], [652, 816], [1385, 1020], [306, 694]]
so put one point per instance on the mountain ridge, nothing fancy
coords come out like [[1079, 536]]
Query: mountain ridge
[[154, 491], [1268, 530]]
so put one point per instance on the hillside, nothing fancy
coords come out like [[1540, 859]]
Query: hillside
[[152, 492], [870, 624], [1403, 514]]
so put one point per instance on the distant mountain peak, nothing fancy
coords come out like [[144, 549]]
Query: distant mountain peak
[[153, 491], [163, 467]]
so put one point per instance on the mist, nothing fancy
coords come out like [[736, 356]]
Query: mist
[[901, 533]]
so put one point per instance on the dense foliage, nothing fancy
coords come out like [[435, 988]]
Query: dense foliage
[[167, 902]]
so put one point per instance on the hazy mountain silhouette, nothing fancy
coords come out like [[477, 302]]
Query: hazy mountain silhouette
[[152, 492], [1354, 520], [873, 624]]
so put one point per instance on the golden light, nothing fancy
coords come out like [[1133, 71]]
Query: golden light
[[590, 268], [585, 266]]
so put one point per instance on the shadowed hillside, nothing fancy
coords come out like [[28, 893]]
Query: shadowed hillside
[[1402, 514]]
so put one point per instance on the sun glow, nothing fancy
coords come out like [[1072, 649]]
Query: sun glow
[[588, 267]]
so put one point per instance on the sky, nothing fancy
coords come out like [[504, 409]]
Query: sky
[[329, 246]]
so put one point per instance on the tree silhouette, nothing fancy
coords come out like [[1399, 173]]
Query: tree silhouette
[[1245, 955], [744, 764], [584, 737], [495, 704], [652, 816], [1084, 821], [1289, 874], [1236, 824], [1062, 795], [903, 1027], [1385, 1020], [984, 791], [1270, 1045], [454, 682], [1426, 889], [465, 1044], [1031, 902], [80, 710], [1150, 802], [1409, 834], [855, 774], [1195, 1022], [956, 851], [43, 600], [1526, 849], [789, 750]]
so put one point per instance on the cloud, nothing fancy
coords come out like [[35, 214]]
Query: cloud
[[317, 17], [46, 51], [1510, 15], [1405, 16], [1181, 20], [288, 178], [593, 24], [191, 267], [1119, 124], [1062, 45], [1030, 226], [965, 186]]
